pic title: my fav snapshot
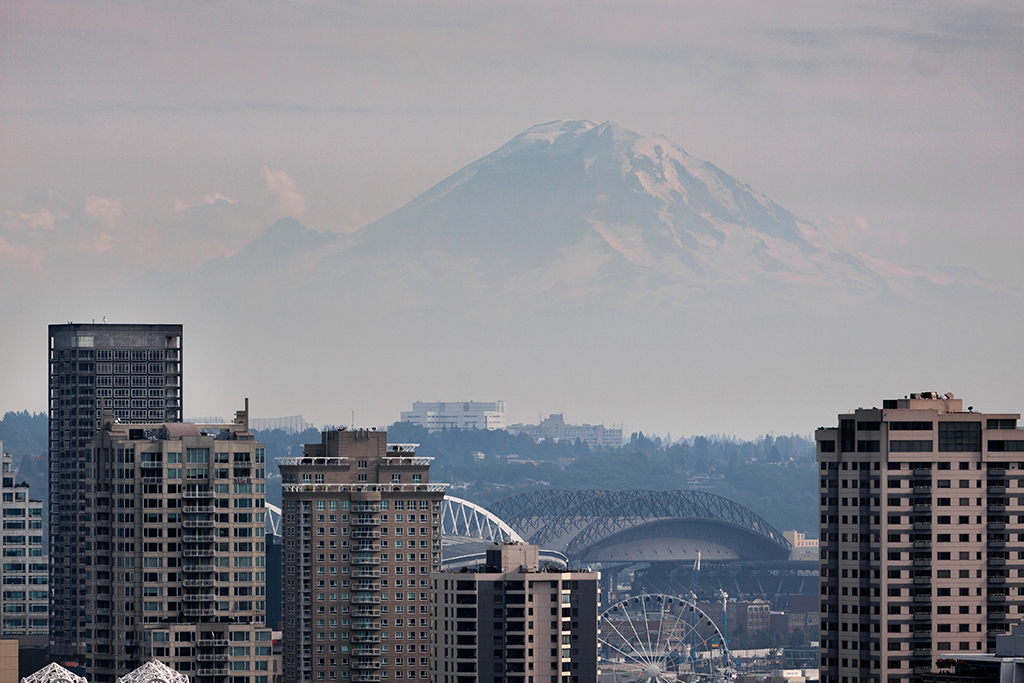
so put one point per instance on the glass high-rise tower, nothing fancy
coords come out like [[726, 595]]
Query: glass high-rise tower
[[133, 371]]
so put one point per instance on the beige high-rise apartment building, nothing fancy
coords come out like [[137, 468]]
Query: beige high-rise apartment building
[[510, 623], [361, 529], [921, 536], [173, 564]]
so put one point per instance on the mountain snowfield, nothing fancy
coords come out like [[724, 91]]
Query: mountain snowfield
[[596, 271], [581, 204]]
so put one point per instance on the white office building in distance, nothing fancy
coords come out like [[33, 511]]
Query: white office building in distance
[[459, 415]]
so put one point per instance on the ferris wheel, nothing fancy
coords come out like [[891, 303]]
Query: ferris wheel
[[656, 638]]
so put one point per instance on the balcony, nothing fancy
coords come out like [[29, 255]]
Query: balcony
[[366, 651], [996, 598], [367, 625], [922, 544], [366, 612], [922, 579], [365, 638], [364, 677], [922, 563], [198, 538], [922, 616], [366, 521], [365, 533], [922, 489], [200, 493], [367, 586], [366, 664], [365, 599], [198, 597], [922, 526], [923, 508], [365, 560], [922, 598], [198, 523], [146, 465], [366, 573], [213, 643], [212, 657], [211, 672], [995, 526], [197, 568], [996, 473], [366, 547], [200, 612], [997, 579], [996, 489], [199, 552], [996, 544], [997, 508], [996, 562], [198, 509], [996, 616], [152, 480], [198, 583]]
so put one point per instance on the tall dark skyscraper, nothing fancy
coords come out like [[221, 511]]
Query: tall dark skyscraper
[[132, 370]]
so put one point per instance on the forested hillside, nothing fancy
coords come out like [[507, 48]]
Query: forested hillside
[[773, 476]]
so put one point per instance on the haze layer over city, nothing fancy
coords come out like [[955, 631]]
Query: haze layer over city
[[686, 217]]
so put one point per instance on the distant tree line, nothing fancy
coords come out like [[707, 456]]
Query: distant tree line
[[776, 477]]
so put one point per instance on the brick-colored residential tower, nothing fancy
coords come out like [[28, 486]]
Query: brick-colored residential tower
[[362, 534]]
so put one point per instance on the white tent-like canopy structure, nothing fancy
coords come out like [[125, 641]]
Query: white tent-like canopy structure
[[53, 673], [154, 671]]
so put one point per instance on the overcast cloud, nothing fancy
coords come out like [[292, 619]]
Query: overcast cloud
[[167, 134]]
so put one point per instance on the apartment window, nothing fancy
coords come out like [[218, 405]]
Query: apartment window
[[910, 446], [868, 446], [361, 477], [959, 437], [361, 464]]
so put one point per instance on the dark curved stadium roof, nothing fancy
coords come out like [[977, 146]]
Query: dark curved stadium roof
[[580, 522]]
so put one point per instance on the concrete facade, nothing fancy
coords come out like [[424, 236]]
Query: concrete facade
[[25, 599], [920, 538], [361, 535], [555, 427], [174, 552], [133, 371], [456, 415], [804, 549], [510, 624]]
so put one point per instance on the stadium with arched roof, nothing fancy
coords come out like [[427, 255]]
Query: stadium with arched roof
[[642, 526]]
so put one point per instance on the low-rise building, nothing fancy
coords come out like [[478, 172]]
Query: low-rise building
[[804, 549], [438, 415], [554, 427]]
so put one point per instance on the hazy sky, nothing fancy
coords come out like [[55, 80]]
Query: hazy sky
[[901, 125]]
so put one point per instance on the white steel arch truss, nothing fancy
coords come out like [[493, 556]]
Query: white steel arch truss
[[273, 519], [469, 520]]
